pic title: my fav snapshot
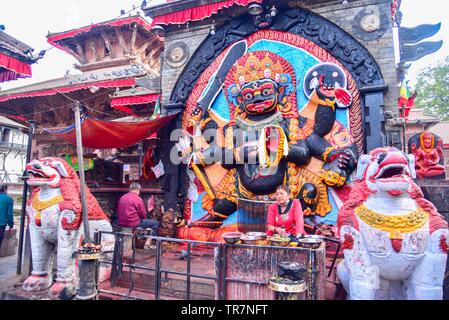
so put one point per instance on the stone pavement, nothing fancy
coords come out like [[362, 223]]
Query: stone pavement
[[8, 277], [8, 265]]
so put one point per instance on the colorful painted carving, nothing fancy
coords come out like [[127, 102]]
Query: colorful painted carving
[[55, 223], [395, 243], [269, 131], [428, 151]]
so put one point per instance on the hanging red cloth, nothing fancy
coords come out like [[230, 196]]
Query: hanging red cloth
[[12, 68], [199, 13], [98, 134]]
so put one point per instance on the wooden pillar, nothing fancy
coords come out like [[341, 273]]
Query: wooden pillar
[[79, 147], [373, 115]]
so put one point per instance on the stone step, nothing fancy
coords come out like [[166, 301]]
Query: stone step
[[9, 244], [120, 293], [171, 285]]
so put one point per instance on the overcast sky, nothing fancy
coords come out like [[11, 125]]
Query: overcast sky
[[30, 21]]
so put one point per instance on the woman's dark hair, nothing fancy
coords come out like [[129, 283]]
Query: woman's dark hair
[[283, 187], [3, 188]]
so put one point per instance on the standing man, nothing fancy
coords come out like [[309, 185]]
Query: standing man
[[6, 212], [131, 211]]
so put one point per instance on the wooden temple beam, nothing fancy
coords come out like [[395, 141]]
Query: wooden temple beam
[[152, 59], [134, 37], [121, 40], [107, 43], [93, 47], [80, 52]]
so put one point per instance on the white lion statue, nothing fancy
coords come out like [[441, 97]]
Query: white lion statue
[[55, 223], [395, 243]]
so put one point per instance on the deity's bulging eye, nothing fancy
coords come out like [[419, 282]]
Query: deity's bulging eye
[[267, 92], [248, 96], [381, 157], [335, 74]]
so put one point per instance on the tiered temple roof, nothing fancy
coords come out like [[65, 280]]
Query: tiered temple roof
[[15, 58]]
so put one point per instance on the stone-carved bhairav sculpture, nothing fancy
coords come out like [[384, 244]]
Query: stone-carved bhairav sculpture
[[266, 143], [395, 243], [55, 223], [428, 156]]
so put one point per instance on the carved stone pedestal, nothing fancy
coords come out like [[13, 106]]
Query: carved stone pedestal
[[437, 192]]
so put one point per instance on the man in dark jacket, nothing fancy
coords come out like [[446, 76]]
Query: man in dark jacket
[[6, 212]]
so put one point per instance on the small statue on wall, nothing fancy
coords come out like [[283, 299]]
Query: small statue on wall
[[427, 148]]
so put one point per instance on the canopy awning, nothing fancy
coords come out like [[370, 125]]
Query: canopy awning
[[12, 68], [99, 134], [198, 13], [50, 92], [124, 103]]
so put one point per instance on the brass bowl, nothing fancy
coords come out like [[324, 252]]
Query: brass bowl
[[310, 243], [259, 235], [317, 237], [232, 237], [249, 240], [279, 242]]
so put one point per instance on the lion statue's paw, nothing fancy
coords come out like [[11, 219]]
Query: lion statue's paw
[[62, 290], [36, 283]]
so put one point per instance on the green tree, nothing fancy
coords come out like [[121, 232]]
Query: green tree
[[433, 89]]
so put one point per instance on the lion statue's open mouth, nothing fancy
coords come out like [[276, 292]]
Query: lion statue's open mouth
[[388, 170]]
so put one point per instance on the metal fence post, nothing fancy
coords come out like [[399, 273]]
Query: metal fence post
[[158, 268], [32, 128]]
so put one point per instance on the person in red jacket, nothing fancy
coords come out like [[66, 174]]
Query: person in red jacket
[[132, 213], [285, 217]]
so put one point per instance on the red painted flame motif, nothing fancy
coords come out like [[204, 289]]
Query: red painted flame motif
[[348, 244], [443, 245]]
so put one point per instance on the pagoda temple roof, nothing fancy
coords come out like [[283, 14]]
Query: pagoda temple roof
[[15, 58], [56, 39], [112, 43], [111, 78], [15, 48]]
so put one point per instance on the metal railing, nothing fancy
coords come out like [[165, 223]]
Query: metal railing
[[220, 262]]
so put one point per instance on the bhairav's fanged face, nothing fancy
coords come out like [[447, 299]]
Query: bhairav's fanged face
[[259, 96]]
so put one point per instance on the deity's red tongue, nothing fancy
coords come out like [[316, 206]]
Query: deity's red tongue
[[397, 245], [272, 139], [395, 193]]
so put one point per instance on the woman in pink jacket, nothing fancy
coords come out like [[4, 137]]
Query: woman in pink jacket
[[285, 217]]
